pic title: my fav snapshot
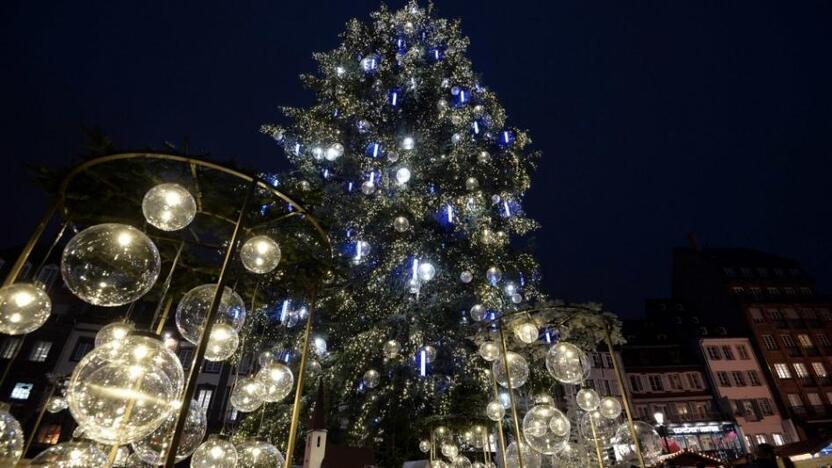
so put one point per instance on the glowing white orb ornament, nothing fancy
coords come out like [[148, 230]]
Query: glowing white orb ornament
[[538, 432], [526, 332], [531, 459], [24, 307], [461, 462], [222, 343], [648, 440], [489, 351], [408, 143], [215, 453], [277, 379], [169, 207], [115, 331], [335, 151], [429, 353], [567, 363], [260, 254], [466, 277], [192, 310], [594, 427], [424, 446], [518, 370], [610, 407], [372, 378], [449, 450], [253, 453], [560, 425], [401, 224], [587, 399], [75, 454], [248, 395], [110, 264], [138, 376], [495, 410], [494, 275], [153, 448], [391, 349], [56, 404], [477, 312], [403, 175], [426, 271], [11, 439]]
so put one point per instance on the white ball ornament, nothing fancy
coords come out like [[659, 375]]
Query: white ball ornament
[[539, 433], [610, 407], [277, 379], [477, 312], [215, 453], [11, 439], [169, 207], [401, 224], [495, 410], [368, 187], [153, 448], [407, 143], [429, 352], [648, 440], [466, 277], [110, 264], [192, 310], [489, 351], [587, 399], [335, 151], [372, 378], [402, 175], [449, 450], [483, 157], [518, 370], [115, 331], [461, 462], [222, 343], [391, 349], [494, 275], [260, 254], [424, 446], [567, 363], [527, 332], [24, 307], [426, 271], [253, 453], [471, 184]]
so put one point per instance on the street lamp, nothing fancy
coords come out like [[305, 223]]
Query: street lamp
[[661, 428]]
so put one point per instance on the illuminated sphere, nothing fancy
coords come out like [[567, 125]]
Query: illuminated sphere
[[424, 446], [138, 373], [426, 271], [110, 264], [215, 453], [134, 461], [368, 187], [609, 407], [537, 431], [648, 439], [560, 425], [193, 310], [391, 349], [11, 439], [113, 332], [604, 428], [466, 277], [75, 454], [588, 399], [277, 379], [449, 450], [403, 175], [477, 312], [531, 459], [518, 370], [567, 363], [494, 275], [254, 453], [495, 410], [526, 332], [248, 395], [268, 356], [56, 404], [153, 448], [23, 308], [222, 343], [461, 462], [401, 224], [429, 351], [372, 378], [335, 151], [571, 455], [489, 350], [471, 184], [543, 399], [260, 254], [169, 207]]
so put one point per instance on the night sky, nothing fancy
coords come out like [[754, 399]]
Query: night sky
[[656, 118]]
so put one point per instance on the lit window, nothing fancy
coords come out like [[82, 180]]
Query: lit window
[[203, 397], [21, 391], [800, 369], [9, 347], [760, 439], [782, 370], [804, 340], [794, 399], [743, 352], [778, 438], [814, 399], [40, 351], [49, 434], [819, 368]]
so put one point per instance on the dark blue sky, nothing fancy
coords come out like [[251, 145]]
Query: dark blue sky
[[656, 118]]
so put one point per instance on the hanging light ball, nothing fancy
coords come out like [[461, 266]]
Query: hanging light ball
[[368, 187], [594, 427], [11, 439], [115, 331], [372, 378], [609, 407], [401, 224], [110, 264], [24, 307], [571, 455], [466, 277], [222, 343], [335, 151], [531, 459], [253, 453], [567, 363], [169, 207], [56, 404], [560, 425], [449, 450], [193, 310], [424, 446], [526, 332], [215, 453], [648, 440], [153, 447], [403, 175], [461, 462], [75, 454], [426, 271], [477, 312], [471, 184], [587, 399], [391, 349], [494, 275], [518, 370], [495, 410], [489, 351], [277, 379], [260, 254], [137, 374], [538, 431], [248, 395]]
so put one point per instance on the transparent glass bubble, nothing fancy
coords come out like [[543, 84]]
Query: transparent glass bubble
[[277, 379], [489, 351], [124, 390], [442, 433], [24, 307], [587, 399], [134, 461], [391, 349], [193, 310], [75, 454], [110, 264], [537, 429], [169, 207], [466, 277], [248, 395], [494, 275], [268, 356], [372, 378], [260, 254], [610, 407], [560, 425], [401, 224], [648, 438], [604, 428], [477, 312], [153, 448], [56, 404], [122, 456], [471, 184], [461, 462], [113, 332], [526, 332], [495, 410], [567, 363], [215, 453], [424, 446], [368, 187], [543, 399], [531, 459], [449, 450], [253, 453], [222, 343], [518, 370], [313, 366], [11, 439], [429, 353], [571, 455]]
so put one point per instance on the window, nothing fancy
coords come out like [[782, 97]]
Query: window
[[819, 368], [737, 290], [760, 439], [682, 410], [756, 292], [186, 354], [800, 369], [40, 351], [748, 410], [762, 272], [642, 412], [47, 276], [789, 291], [49, 434], [754, 378], [814, 399], [782, 370], [774, 314], [694, 381], [675, 381], [745, 271], [635, 384], [743, 352], [726, 351], [724, 381], [739, 378], [82, 347], [607, 388], [769, 342], [203, 397], [765, 406], [656, 383], [713, 353], [825, 314], [756, 315], [790, 313], [9, 347], [788, 341], [808, 314], [778, 438], [823, 340], [805, 291], [772, 291], [729, 272], [804, 341], [212, 367], [21, 391], [232, 413], [794, 400], [596, 361], [778, 272]]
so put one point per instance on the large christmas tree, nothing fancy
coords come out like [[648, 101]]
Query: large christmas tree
[[408, 158]]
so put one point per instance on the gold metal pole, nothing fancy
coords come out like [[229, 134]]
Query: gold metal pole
[[164, 302], [624, 397], [38, 420], [486, 446], [160, 327], [30, 244], [502, 437], [193, 375], [432, 446], [595, 438], [514, 416]]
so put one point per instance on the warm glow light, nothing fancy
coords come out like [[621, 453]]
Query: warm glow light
[[23, 298], [659, 417], [124, 238]]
